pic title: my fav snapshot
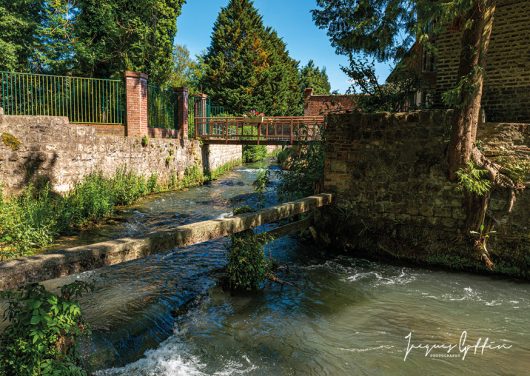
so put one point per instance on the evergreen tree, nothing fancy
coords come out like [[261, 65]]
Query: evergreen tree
[[247, 65], [316, 78], [18, 20]]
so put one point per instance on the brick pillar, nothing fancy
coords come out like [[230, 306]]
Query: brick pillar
[[182, 112], [200, 111], [136, 102]]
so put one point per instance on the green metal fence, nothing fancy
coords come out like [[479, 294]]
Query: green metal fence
[[82, 100], [207, 108], [163, 107]]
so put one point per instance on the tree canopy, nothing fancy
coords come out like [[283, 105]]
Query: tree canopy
[[247, 65], [99, 38], [384, 29], [316, 78]]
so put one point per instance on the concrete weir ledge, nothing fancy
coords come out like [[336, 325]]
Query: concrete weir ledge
[[56, 264]]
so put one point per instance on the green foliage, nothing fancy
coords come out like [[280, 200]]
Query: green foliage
[[254, 153], [315, 78], [18, 21], [263, 179], [375, 96], [473, 180], [100, 38], [11, 141], [223, 169], [36, 217], [89, 201], [193, 176], [247, 65], [247, 264], [152, 183], [42, 335], [27, 222], [113, 36], [464, 90], [304, 171], [145, 141], [283, 157], [186, 71], [517, 169], [384, 29]]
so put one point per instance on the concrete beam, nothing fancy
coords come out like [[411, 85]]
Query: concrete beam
[[58, 264]]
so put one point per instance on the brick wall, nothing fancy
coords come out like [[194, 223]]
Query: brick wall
[[389, 172], [507, 85], [317, 105], [50, 148]]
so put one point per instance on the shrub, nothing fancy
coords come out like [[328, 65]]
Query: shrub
[[89, 201], [127, 187], [254, 153], [41, 338], [193, 176], [27, 222], [247, 264], [305, 172]]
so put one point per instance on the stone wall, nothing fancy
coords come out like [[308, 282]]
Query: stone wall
[[507, 83], [52, 149], [394, 199], [216, 156]]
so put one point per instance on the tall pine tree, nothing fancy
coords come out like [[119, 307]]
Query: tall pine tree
[[315, 78], [247, 65]]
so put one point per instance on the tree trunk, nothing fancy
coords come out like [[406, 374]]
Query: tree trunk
[[475, 41]]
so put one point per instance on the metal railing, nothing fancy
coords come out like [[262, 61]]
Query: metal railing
[[163, 107], [82, 100], [272, 130]]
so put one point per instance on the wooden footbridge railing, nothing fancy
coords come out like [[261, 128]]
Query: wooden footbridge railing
[[58, 264], [277, 130]]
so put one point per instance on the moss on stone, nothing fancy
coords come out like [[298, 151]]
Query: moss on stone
[[11, 141]]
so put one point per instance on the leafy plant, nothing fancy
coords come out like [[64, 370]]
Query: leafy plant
[[145, 141], [261, 183], [517, 169], [473, 180], [41, 338], [254, 153], [305, 171], [247, 264]]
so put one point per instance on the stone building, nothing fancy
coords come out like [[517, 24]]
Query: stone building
[[507, 82]]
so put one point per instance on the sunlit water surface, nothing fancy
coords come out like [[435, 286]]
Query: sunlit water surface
[[165, 315]]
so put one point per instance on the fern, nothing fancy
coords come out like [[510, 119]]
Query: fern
[[473, 179]]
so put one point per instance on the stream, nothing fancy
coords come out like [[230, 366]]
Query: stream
[[165, 315]]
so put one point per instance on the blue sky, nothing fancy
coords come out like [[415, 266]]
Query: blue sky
[[290, 18]]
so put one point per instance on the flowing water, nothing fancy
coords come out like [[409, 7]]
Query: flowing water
[[165, 315]]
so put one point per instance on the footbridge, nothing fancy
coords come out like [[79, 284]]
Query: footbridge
[[273, 130], [56, 264]]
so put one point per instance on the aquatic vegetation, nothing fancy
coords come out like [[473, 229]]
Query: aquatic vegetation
[[247, 265]]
